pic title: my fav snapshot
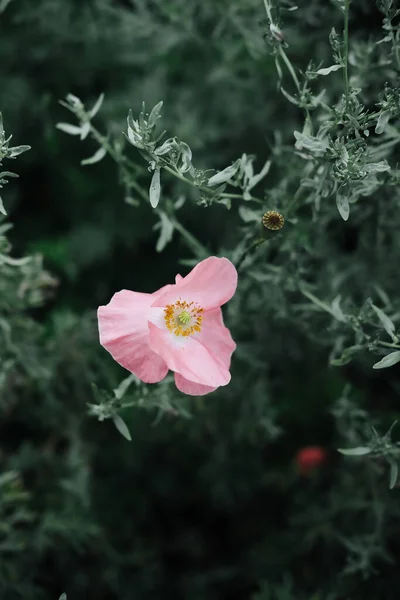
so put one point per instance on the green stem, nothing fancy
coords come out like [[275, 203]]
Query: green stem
[[389, 345], [346, 51], [248, 250], [121, 161], [286, 60], [202, 187]]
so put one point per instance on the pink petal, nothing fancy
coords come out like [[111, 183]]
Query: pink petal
[[211, 283], [192, 359], [192, 389], [216, 337], [124, 332]]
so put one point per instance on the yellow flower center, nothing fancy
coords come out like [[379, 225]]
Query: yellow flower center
[[183, 318]]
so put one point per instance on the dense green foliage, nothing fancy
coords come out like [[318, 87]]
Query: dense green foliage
[[207, 499]]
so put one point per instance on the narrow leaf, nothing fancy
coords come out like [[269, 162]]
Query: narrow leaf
[[386, 322], [328, 70], [96, 106], [122, 428], [289, 97], [394, 473], [388, 361], [383, 120], [155, 114], [360, 451], [68, 128], [343, 206], [224, 175], [257, 178], [63, 596], [85, 130], [155, 189], [97, 157], [2, 209], [17, 150]]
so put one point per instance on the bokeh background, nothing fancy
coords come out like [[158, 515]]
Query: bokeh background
[[209, 505]]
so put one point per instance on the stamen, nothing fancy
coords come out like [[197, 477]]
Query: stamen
[[183, 318]]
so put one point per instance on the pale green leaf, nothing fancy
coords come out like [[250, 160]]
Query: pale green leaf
[[224, 175], [96, 106], [68, 128], [2, 209], [17, 150], [155, 189], [360, 451], [394, 473], [386, 322], [343, 206], [122, 428], [388, 361], [97, 157], [328, 70]]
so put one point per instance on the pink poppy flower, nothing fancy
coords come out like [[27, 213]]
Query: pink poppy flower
[[178, 328]]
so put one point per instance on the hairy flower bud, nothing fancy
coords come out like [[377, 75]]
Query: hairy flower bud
[[273, 220]]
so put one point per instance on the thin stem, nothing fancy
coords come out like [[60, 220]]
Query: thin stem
[[346, 51], [248, 250], [389, 345], [202, 187], [290, 68], [121, 161], [286, 60]]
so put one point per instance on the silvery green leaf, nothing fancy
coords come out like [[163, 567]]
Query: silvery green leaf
[[63, 596], [166, 147], [132, 123], [360, 451], [75, 100], [394, 473], [155, 189], [225, 175], [135, 138], [68, 128], [342, 202], [246, 164], [2, 209], [1, 128], [166, 232], [257, 178], [328, 70], [96, 106], [122, 428], [378, 167], [8, 174], [310, 142], [85, 130], [383, 120], [155, 114], [388, 361], [186, 157], [386, 322], [97, 157], [17, 150]]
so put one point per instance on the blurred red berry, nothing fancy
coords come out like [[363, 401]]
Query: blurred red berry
[[309, 458]]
